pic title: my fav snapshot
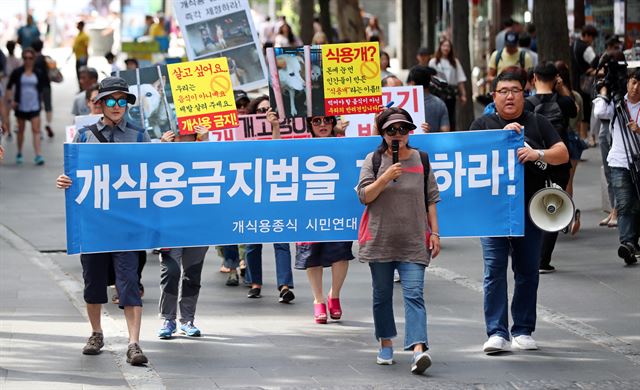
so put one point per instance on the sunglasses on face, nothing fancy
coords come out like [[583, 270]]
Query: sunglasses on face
[[111, 102], [393, 130], [328, 120], [262, 110]]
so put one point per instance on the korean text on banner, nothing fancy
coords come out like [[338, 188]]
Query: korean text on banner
[[203, 95], [351, 73], [150, 195]]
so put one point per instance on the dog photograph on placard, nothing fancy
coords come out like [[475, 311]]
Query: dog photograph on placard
[[288, 80], [218, 34]]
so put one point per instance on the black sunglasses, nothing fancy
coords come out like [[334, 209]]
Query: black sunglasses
[[262, 110], [393, 130], [328, 120]]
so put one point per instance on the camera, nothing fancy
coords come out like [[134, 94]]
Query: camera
[[442, 89], [615, 77]]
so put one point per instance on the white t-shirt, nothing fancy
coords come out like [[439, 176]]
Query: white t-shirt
[[453, 75], [617, 156]]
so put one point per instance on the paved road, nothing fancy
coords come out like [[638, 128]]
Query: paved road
[[588, 328]]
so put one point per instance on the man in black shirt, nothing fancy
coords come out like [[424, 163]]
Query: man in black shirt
[[544, 144], [557, 108]]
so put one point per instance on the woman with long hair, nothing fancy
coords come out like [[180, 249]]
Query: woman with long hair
[[450, 69]]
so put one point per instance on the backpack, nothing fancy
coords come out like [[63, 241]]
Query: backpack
[[52, 70], [550, 110], [376, 160], [520, 59]]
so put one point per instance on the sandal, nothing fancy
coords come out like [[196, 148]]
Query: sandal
[[575, 224], [335, 311], [320, 313], [605, 221], [613, 222]]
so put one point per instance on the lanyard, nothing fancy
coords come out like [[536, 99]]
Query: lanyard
[[637, 112]]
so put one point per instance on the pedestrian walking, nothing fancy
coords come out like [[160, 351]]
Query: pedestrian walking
[[28, 33], [41, 63], [81, 49], [181, 270], [436, 113], [450, 69], [399, 231], [545, 145], [27, 82], [113, 96]]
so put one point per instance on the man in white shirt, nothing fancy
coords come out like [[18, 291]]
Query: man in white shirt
[[625, 191], [86, 77]]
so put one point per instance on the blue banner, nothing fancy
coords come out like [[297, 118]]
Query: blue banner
[[152, 195]]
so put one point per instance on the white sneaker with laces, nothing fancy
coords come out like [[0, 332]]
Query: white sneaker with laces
[[496, 344], [525, 342]]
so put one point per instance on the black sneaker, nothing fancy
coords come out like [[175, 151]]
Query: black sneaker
[[232, 280], [627, 252], [254, 293], [135, 356], [286, 296], [546, 269], [49, 131], [94, 344]]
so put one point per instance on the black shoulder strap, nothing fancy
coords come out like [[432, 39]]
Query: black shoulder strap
[[97, 133], [376, 160], [426, 166], [498, 56], [522, 54]]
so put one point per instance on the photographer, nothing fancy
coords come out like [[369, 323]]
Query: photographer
[[626, 195]]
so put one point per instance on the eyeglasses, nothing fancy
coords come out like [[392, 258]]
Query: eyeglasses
[[393, 130], [262, 110], [111, 102], [328, 120], [506, 91]]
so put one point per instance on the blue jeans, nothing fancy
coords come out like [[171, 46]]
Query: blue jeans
[[525, 258], [415, 313], [283, 264], [231, 256], [627, 205]]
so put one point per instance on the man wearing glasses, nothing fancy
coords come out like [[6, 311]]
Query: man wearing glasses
[[113, 96], [543, 146]]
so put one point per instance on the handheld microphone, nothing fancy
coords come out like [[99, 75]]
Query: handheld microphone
[[395, 145]]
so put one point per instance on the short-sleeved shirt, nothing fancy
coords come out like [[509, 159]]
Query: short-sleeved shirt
[[395, 223], [435, 112], [507, 60], [81, 45], [539, 134], [453, 74], [122, 132], [80, 106], [29, 95]]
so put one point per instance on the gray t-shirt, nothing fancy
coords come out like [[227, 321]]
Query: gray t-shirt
[[29, 96], [80, 106], [435, 112], [394, 226]]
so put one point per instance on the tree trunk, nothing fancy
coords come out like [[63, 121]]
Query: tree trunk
[[552, 31], [325, 20], [410, 32], [350, 24], [460, 29], [306, 20]]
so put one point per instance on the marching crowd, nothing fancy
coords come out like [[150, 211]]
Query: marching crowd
[[399, 232]]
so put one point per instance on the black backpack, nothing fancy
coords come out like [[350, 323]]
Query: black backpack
[[550, 110], [376, 160], [520, 58]]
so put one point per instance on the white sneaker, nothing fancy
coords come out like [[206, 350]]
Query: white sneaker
[[496, 344], [524, 342]]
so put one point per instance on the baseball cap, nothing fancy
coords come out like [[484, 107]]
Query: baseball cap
[[423, 51], [114, 84], [511, 38], [398, 118]]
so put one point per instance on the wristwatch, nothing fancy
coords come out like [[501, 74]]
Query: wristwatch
[[540, 154]]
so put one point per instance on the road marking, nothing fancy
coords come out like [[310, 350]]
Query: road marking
[[558, 319], [117, 342]]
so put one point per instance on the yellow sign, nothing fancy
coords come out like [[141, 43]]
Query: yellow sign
[[203, 94], [351, 76]]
